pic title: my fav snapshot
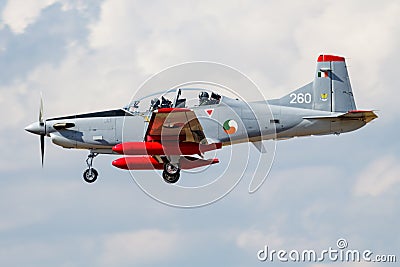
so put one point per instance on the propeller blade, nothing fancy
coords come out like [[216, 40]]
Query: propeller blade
[[41, 110], [42, 148], [41, 122]]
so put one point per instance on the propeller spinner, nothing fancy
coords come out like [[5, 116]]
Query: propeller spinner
[[39, 128]]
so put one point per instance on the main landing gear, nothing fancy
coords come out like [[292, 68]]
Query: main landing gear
[[90, 174], [171, 173]]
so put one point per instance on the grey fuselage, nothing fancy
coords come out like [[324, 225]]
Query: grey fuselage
[[256, 121]]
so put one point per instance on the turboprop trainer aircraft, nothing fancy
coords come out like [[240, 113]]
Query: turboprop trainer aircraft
[[173, 135]]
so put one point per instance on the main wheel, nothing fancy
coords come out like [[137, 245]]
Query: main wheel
[[90, 175], [171, 169], [171, 178]]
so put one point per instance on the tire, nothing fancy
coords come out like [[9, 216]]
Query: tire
[[90, 175], [171, 178], [171, 169]]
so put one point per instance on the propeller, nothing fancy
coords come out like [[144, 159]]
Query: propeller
[[39, 128], [41, 110], [42, 148], [41, 123]]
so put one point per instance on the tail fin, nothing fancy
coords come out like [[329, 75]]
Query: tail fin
[[330, 90]]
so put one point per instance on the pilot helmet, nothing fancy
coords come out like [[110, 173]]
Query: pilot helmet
[[204, 95]]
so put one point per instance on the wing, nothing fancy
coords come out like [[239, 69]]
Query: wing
[[172, 135], [175, 124]]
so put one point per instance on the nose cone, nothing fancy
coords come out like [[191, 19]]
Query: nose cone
[[120, 163], [118, 149], [36, 128]]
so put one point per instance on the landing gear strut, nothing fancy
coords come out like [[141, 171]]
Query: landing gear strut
[[90, 174], [171, 173]]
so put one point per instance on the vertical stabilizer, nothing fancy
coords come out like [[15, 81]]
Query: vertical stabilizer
[[329, 91], [331, 87]]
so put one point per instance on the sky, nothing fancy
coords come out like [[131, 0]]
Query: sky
[[92, 55]]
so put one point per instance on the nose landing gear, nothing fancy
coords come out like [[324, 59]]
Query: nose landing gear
[[90, 174]]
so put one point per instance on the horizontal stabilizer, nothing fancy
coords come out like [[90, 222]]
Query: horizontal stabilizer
[[364, 115]]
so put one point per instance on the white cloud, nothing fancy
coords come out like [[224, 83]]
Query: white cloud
[[54, 252], [18, 14], [130, 41], [364, 33], [378, 177], [28, 203], [275, 45], [84, 82], [37, 252], [132, 248], [32, 204], [255, 239], [10, 104]]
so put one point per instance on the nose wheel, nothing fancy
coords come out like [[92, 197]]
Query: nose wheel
[[171, 173], [90, 174]]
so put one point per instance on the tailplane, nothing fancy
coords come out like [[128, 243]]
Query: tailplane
[[330, 90]]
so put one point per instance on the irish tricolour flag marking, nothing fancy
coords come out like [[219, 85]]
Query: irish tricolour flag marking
[[323, 74]]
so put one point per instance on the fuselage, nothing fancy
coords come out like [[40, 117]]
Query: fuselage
[[154, 132], [255, 121]]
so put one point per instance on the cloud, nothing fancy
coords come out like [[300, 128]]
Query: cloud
[[131, 248], [253, 239], [32, 206], [379, 177], [337, 29], [280, 55], [44, 42], [18, 14], [276, 46], [54, 251], [97, 62]]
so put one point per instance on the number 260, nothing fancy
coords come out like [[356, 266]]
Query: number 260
[[300, 98]]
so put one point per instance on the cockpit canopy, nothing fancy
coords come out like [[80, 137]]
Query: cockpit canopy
[[168, 100]]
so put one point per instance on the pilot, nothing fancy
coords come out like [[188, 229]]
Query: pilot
[[155, 104], [165, 103], [134, 106], [214, 99], [203, 98]]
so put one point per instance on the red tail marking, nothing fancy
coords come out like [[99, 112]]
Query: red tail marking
[[327, 58]]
